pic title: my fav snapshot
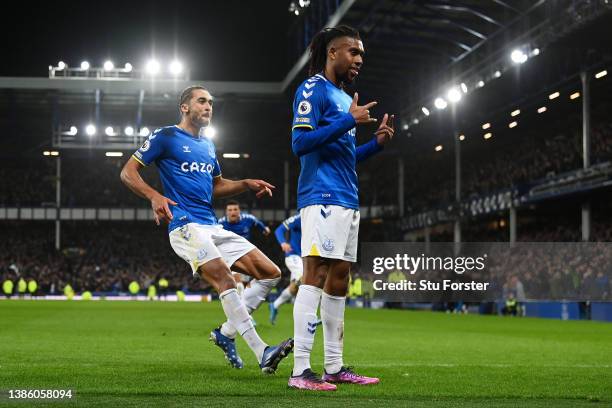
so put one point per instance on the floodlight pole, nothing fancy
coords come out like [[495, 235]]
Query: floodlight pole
[[457, 232], [97, 108], [400, 186], [286, 186], [512, 225], [141, 95], [586, 149], [58, 201]]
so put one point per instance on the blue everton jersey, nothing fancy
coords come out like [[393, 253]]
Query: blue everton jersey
[[187, 166], [243, 226], [293, 225], [323, 136]]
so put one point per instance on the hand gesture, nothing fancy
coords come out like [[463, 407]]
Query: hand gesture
[[286, 247], [386, 130], [262, 188], [161, 210], [361, 113]]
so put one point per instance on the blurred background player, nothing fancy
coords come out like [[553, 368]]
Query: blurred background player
[[241, 224], [191, 177], [289, 236], [323, 137]]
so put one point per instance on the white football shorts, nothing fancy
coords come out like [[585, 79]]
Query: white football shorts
[[198, 244], [330, 231], [295, 266]]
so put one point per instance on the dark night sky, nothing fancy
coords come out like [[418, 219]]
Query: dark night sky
[[216, 40]]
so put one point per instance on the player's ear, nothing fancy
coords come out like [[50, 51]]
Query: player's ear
[[184, 108], [331, 53]]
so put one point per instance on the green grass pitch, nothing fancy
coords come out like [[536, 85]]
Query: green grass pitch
[[152, 354]]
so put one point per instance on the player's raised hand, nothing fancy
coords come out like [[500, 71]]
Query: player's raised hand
[[262, 188], [286, 247], [361, 113], [386, 130], [161, 210]]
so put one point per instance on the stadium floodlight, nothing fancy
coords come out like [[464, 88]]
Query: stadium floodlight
[[415, 121], [486, 126], [85, 65], [210, 132], [297, 12], [518, 56], [90, 130], [454, 95], [480, 84], [553, 95], [144, 131], [152, 67], [542, 109], [129, 131], [231, 155], [73, 130], [46, 153], [304, 3], [512, 124], [462, 137], [464, 87], [515, 112], [113, 154], [440, 103], [109, 131], [601, 74], [405, 126], [487, 136], [54, 153], [425, 111], [108, 65], [176, 67], [246, 155], [61, 65], [536, 52], [128, 67], [439, 148], [575, 95], [497, 74]]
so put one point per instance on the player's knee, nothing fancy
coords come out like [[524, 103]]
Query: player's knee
[[270, 271], [226, 281]]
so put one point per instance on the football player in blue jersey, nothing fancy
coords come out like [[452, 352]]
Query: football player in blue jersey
[[241, 224], [323, 137], [289, 236], [191, 178]]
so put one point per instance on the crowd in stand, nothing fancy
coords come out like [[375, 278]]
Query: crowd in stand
[[99, 257], [429, 181], [535, 157]]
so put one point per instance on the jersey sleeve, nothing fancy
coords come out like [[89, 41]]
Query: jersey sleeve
[[257, 222], [216, 169], [280, 231], [216, 166], [367, 150], [309, 104], [151, 149]]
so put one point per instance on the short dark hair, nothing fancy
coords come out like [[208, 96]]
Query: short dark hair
[[187, 93], [232, 202], [319, 43]]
